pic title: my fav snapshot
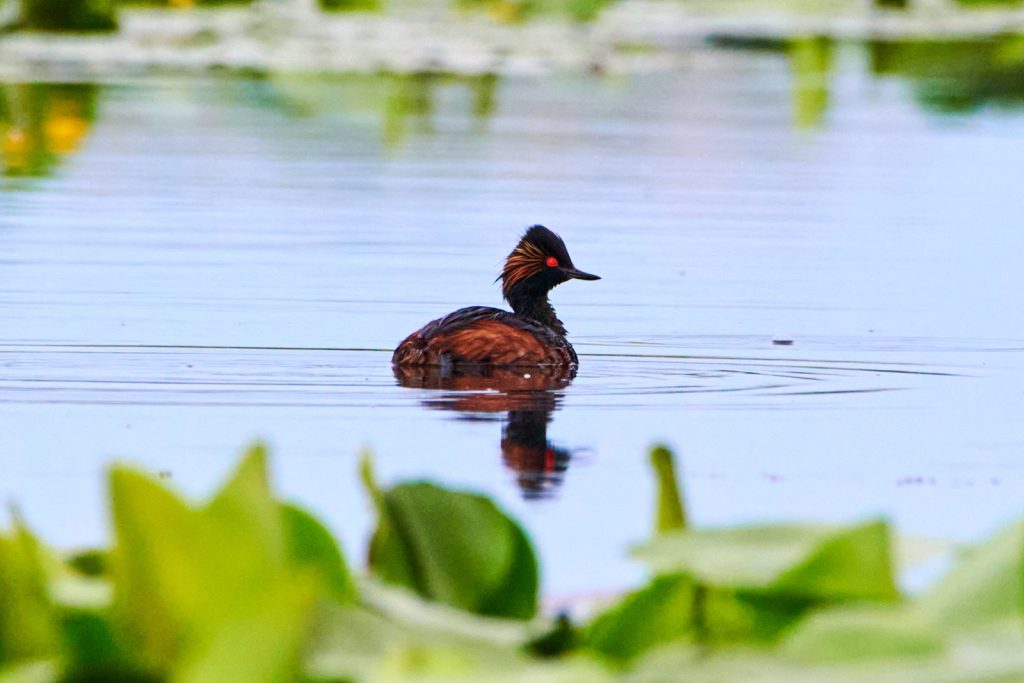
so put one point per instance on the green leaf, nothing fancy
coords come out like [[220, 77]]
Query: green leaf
[[245, 517], [311, 546], [793, 561], [658, 613], [188, 581], [92, 650], [674, 608], [852, 564], [158, 567], [856, 633], [261, 644], [387, 550], [405, 607], [438, 666], [671, 514], [358, 642], [71, 590], [51, 611], [39, 671], [398, 636], [453, 547], [516, 594], [731, 617], [563, 637], [28, 621], [984, 587], [989, 656], [89, 562]]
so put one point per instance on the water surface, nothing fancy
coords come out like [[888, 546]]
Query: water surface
[[191, 264]]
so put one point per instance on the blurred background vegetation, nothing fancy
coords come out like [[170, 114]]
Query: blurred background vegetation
[[41, 122], [101, 15]]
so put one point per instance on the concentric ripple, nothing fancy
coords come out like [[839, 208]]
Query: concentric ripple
[[176, 375], [638, 376]]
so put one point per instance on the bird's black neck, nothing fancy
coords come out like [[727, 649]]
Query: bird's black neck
[[536, 307]]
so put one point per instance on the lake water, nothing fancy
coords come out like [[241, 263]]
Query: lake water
[[188, 265]]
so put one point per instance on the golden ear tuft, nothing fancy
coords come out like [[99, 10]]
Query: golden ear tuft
[[526, 260]]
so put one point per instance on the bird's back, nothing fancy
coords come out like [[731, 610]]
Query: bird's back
[[484, 335]]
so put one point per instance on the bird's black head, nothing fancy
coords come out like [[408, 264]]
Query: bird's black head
[[539, 263]]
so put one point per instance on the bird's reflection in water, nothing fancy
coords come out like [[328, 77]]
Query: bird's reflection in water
[[528, 397]]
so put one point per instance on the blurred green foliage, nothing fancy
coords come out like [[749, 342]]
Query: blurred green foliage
[[810, 61], [247, 588], [351, 5], [453, 547], [989, 3], [670, 514], [184, 4], [68, 15], [40, 123], [947, 76], [521, 10], [956, 76]]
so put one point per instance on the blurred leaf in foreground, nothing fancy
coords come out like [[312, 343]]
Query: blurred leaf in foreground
[[453, 547], [984, 587], [658, 613], [671, 515], [850, 633], [794, 561], [245, 588], [43, 671], [311, 545], [199, 591], [69, 15], [28, 622], [261, 644], [738, 585], [396, 635], [994, 657]]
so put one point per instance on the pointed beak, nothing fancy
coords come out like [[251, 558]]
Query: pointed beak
[[579, 274]]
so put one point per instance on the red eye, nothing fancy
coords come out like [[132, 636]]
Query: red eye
[[552, 262]]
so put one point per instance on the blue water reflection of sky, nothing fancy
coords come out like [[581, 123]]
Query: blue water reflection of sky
[[285, 215]]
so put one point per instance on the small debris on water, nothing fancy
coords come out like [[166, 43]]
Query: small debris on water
[[782, 340]]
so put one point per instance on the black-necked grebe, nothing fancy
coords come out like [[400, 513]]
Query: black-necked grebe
[[529, 336]]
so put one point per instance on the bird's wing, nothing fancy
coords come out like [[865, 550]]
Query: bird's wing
[[479, 334]]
